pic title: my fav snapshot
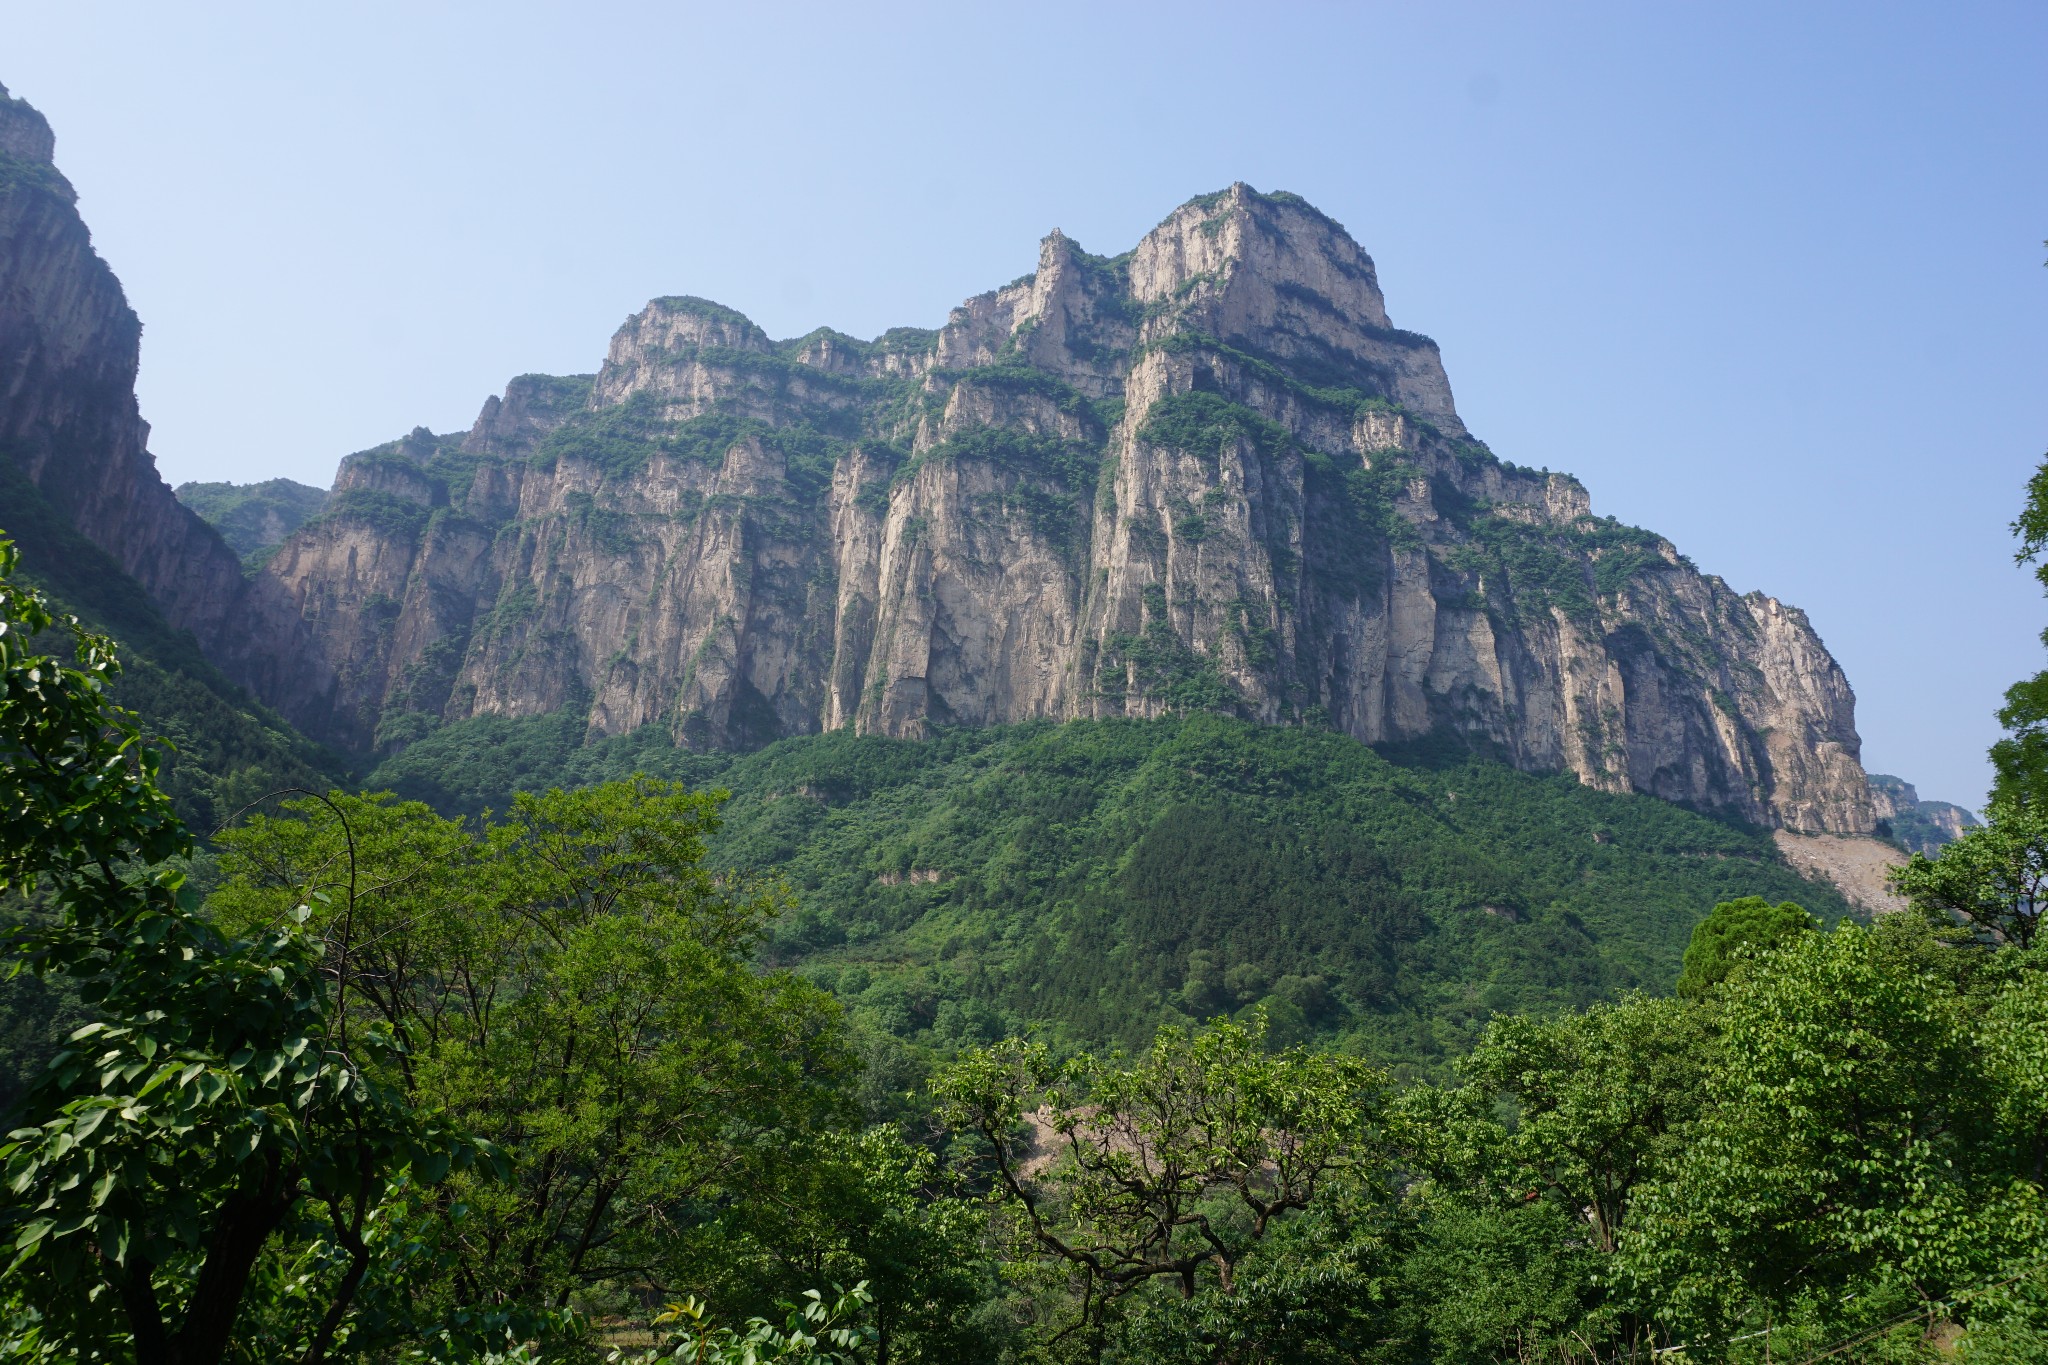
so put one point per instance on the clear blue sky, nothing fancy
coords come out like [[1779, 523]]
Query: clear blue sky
[[1767, 277]]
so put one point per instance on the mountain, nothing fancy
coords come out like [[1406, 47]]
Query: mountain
[[1205, 475], [71, 429], [254, 518], [1201, 502], [1920, 826]]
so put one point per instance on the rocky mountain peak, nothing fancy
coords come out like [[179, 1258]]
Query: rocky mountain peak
[[1921, 826], [1274, 275], [1239, 236], [654, 351], [533, 405], [25, 134]]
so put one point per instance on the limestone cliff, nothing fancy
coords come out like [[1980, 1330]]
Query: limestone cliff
[[1206, 474], [69, 347]]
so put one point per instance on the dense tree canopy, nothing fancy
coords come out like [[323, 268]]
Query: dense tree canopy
[[1993, 881], [575, 987], [2021, 758], [211, 1099]]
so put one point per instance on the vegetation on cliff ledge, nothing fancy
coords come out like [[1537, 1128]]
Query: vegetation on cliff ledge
[[254, 518]]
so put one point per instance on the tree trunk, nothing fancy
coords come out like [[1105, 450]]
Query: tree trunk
[[246, 1222], [145, 1314]]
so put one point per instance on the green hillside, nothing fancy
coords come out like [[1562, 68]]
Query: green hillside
[[1096, 878], [254, 518]]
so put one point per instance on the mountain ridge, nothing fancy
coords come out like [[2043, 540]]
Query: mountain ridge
[[1208, 473]]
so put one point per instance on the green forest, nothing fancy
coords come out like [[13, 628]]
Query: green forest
[[1096, 879], [1171, 1041]]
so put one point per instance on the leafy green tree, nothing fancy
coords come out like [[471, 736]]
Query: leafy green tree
[[830, 1333], [1734, 932], [2013, 1047], [1534, 1164], [2020, 760], [1851, 1147], [1993, 879], [864, 1205], [211, 1099], [575, 985], [1487, 1281], [1596, 1104], [1173, 1167], [1317, 1290]]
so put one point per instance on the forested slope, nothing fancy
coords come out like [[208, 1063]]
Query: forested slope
[[1102, 877]]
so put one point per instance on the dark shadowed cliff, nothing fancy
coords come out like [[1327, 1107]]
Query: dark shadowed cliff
[[69, 424]]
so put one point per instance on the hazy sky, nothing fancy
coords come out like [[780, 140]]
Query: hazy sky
[[1768, 278]]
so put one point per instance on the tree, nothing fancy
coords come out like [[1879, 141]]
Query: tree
[[830, 1333], [2020, 761], [1734, 932], [1173, 1167], [211, 1098], [1488, 1281], [1851, 1146], [1994, 878], [2013, 1047], [867, 1206], [575, 985], [1597, 1103], [1319, 1289], [1534, 1165]]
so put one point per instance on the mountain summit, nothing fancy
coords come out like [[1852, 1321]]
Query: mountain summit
[[1205, 474]]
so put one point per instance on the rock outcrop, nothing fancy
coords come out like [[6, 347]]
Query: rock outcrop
[[1918, 826], [69, 347], [1208, 473]]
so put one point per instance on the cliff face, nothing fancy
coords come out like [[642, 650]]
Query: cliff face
[[69, 345], [1206, 474]]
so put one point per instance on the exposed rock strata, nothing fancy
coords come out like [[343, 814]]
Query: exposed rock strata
[[1208, 473]]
